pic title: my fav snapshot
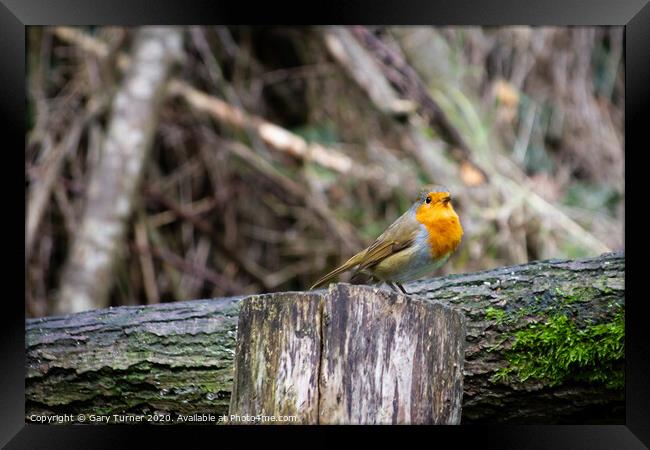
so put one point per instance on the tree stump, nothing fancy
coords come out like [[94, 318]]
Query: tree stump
[[277, 357], [352, 355]]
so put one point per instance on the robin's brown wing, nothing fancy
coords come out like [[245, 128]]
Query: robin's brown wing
[[362, 278], [349, 264], [400, 235]]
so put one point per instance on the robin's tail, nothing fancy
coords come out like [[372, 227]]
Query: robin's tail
[[354, 261]]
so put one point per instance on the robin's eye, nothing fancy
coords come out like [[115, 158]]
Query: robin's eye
[[428, 200]]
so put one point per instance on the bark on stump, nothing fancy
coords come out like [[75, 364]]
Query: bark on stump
[[352, 355]]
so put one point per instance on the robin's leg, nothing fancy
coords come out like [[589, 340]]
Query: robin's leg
[[391, 285], [401, 288]]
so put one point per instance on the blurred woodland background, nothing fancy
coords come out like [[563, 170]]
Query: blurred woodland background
[[167, 163]]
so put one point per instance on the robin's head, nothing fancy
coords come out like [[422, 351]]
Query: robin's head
[[433, 209], [434, 201]]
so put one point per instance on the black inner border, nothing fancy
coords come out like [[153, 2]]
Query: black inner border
[[633, 14]]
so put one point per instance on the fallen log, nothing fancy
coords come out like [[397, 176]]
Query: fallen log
[[544, 344], [545, 340]]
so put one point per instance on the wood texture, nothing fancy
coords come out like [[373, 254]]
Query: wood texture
[[278, 357], [354, 355], [389, 359], [179, 357]]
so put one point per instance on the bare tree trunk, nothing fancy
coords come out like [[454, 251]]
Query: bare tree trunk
[[544, 344], [86, 279]]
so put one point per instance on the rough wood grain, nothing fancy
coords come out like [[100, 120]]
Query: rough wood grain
[[353, 355], [278, 357], [179, 357], [389, 359]]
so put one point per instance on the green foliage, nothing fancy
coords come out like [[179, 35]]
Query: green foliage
[[322, 133], [592, 197], [321, 173], [536, 157], [573, 250], [558, 350]]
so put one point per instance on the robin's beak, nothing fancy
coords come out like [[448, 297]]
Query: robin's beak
[[446, 200]]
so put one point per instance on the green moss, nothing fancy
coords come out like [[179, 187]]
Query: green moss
[[582, 294], [558, 351], [498, 315], [501, 317]]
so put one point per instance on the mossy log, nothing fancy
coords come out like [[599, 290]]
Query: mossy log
[[544, 344], [351, 355], [545, 340]]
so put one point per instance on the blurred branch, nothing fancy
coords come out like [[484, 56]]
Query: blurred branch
[[67, 210], [148, 272], [250, 267], [198, 254], [368, 75], [505, 176], [273, 135], [408, 82], [40, 189], [364, 71], [341, 229], [86, 278], [278, 138], [547, 210], [374, 79], [189, 267], [216, 74]]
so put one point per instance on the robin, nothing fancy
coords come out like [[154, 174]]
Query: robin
[[418, 242]]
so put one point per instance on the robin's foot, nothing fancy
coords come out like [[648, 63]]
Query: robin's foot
[[401, 288], [397, 287], [391, 286]]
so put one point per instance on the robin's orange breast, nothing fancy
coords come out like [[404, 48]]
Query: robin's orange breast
[[444, 229]]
